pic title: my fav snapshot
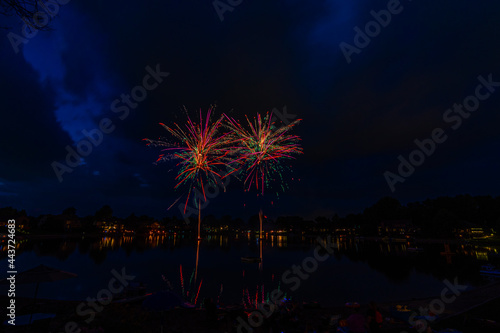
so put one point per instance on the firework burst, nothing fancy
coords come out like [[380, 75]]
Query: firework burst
[[201, 150], [262, 148]]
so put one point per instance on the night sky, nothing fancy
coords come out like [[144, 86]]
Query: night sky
[[361, 108]]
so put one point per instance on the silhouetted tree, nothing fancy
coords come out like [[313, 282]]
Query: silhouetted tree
[[238, 223], [52, 223], [88, 224], [35, 14], [253, 222], [104, 213], [9, 213], [323, 222], [226, 220], [131, 222], [444, 221], [70, 211], [385, 209], [210, 221]]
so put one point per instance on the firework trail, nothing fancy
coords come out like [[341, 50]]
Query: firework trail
[[182, 280], [201, 150], [262, 148], [198, 293], [257, 296]]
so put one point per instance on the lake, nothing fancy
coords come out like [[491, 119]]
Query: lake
[[357, 270]]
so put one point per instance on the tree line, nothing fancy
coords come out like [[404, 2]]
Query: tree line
[[438, 217]]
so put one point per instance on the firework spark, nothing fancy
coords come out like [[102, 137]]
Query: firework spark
[[262, 149], [201, 150]]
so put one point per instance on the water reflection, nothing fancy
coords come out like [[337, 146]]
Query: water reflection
[[261, 263], [483, 253], [396, 260], [447, 253], [198, 242]]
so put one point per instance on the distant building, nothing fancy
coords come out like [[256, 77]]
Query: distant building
[[109, 226], [466, 230], [22, 222], [72, 224], [155, 228], [397, 228], [346, 231]]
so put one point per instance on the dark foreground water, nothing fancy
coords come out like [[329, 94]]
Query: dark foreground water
[[356, 271]]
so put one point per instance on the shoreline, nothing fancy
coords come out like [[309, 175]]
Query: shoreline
[[291, 235]]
